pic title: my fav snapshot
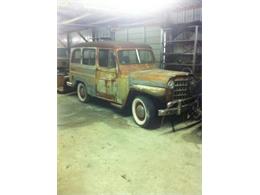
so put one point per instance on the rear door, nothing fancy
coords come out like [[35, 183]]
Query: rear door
[[83, 67], [106, 74]]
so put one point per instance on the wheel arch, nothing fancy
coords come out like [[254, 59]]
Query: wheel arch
[[77, 81], [134, 93]]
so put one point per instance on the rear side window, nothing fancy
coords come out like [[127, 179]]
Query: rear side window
[[76, 56], [89, 57], [106, 58]]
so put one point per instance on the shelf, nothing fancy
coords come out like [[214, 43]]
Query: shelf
[[181, 41], [171, 53], [175, 64], [170, 28], [180, 64]]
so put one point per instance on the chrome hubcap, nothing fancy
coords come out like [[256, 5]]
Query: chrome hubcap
[[140, 111], [82, 92]]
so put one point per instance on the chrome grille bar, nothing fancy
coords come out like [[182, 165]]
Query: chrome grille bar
[[181, 89]]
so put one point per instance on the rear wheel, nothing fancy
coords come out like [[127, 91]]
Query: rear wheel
[[82, 93], [143, 111]]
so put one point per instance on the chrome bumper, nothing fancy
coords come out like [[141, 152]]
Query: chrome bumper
[[69, 83], [179, 106]]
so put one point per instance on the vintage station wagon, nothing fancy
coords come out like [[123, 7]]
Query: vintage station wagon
[[125, 74]]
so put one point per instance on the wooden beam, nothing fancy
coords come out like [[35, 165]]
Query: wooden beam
[[63, 44], [82, 37], [102, 21], [68, 43], [195, 49], [93, 34], [76, 19]]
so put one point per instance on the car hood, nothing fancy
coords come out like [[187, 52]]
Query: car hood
[[154, 77]]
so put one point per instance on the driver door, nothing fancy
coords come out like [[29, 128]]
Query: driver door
[[106, 75]]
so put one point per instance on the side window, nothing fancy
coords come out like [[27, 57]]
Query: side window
[[76, 56], [106, 58], [89, 57], [128, 57], [146, 56]]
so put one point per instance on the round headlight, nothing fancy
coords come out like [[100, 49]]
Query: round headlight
[[171, 84]]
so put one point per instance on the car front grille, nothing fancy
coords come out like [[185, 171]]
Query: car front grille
[[181, 88]]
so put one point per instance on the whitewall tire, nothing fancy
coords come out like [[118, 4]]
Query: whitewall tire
[[143, 111], [82, 93]]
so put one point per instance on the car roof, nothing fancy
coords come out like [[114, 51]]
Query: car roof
[[113, 44]]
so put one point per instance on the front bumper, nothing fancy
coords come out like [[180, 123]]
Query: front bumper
[[177, 107]]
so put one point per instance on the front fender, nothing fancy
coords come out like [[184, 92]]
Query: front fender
[[153, 91]]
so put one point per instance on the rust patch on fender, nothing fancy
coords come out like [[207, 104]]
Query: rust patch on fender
[[154, 91]]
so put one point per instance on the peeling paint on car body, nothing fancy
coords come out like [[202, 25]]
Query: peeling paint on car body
[[154, 77]]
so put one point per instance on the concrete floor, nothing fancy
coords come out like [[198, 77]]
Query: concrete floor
[[102, 151]]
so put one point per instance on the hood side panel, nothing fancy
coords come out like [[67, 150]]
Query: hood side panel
[[154, 77]]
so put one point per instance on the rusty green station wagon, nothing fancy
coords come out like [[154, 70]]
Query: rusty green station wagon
[[124, 73]]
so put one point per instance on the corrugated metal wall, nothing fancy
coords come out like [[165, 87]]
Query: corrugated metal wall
[[102, 33], [185, 15], [150, 35]]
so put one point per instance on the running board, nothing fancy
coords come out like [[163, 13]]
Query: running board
[[117, 105]]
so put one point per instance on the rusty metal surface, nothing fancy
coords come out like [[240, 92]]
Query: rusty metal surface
[[127, 69], [61, 82], [106, 83], [157, 77], [112, 44], [154, 91]]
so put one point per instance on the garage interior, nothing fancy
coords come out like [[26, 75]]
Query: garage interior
[[100, 148]]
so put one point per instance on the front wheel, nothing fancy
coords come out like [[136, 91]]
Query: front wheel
[[143, 111]]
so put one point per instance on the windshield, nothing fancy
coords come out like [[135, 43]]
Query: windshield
[[131, 56]]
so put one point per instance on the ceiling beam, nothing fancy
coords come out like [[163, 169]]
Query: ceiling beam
[[63, 44], [82, 37], [102, 21], [76, 19]]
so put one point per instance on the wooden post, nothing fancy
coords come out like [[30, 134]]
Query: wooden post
[[61, 43], [163, 39], [195, 49], [93, 34], [145, 38], [68, 43]]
